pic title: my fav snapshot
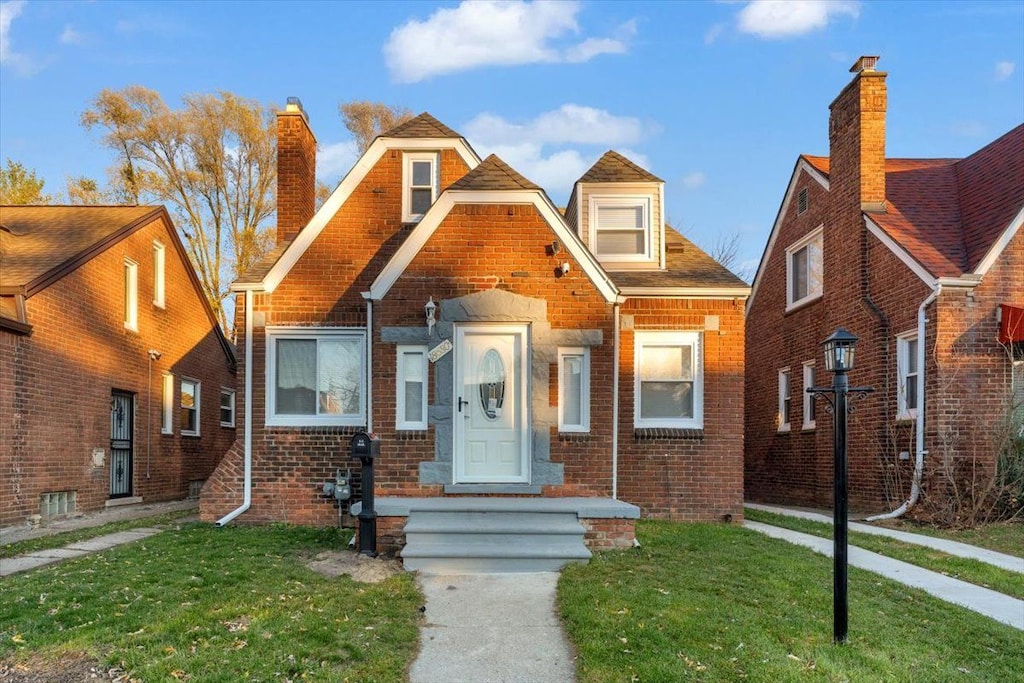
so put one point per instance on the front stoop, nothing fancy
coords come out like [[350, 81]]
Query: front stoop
[[467, 535]]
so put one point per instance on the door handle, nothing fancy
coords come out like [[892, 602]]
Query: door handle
[[462, 403]]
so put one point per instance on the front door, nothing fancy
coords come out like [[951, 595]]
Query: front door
[[491, 419], [122, 418]]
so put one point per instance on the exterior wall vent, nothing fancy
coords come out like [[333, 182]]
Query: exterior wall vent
[[801, 201], [57, 503]]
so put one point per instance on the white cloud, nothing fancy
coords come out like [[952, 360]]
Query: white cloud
[[69, 36], [493, 32], [787, 18], [22, 64], [1004, 70], [969, 129], [334, 160], [713, 33], [691, 181], [538, 148]]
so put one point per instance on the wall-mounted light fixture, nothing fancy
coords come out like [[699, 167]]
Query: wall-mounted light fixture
[[565, 268], [430, 308]]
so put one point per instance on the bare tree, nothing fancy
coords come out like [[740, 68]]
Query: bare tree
[[85, 190], [213, 162], [20, 185], [367, 120]]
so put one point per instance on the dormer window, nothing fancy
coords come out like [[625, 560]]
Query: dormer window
[[620, 227], [420, 181]]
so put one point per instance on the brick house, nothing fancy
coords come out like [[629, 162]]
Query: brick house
[[515, 402], [116, 383], [923, 260]]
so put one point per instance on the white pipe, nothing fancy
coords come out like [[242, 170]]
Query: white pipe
[[919, 450], [247, 489], [369, 362], [615, 407]]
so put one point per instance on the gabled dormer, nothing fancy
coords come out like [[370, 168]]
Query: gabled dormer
[[617, 209]]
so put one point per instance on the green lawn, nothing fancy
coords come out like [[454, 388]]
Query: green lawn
[[64, 538], [208, 604], [973, 571], [723, 603], [1004, 537]]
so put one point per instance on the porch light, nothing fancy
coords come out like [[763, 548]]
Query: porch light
[[839, 351], [430, 308]]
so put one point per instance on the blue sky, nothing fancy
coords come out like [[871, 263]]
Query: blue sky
[[717, 98]]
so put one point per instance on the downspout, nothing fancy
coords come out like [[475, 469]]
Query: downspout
[[915, 484], [615, 406], [247, 424], [369, 362]]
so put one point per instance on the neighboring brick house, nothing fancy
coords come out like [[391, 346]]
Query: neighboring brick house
[[923, 260], [116, 383], [520, 394]]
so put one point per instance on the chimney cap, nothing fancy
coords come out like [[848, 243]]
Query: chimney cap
[[864, 63], [294, 106]]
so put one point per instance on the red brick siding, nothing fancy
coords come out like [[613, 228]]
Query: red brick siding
[[56, 384], [296, 174]]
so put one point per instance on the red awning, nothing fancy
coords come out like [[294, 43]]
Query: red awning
[[1011, 324]]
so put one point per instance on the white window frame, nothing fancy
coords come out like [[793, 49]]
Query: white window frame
[[167, 404], [181, 406], [815, 284], [131, 295], [435, 182], [809, 367], [694, 340], [642, 200], [903, 342], [784, 415], [159, 268], [224, 391], [273, 334], [583, 353], [400, 365]]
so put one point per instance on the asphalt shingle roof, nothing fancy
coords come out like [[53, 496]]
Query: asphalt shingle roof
[[493, 174], [612, 167], [37, 239], [948, 213], [686, 265], [422, 126]]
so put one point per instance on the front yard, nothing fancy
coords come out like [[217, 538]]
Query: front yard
[[694, 602]]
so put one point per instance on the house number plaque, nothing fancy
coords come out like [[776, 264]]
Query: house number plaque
[[438, 352]]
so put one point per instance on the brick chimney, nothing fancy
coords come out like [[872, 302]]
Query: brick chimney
[[296, 170], [856, 136]]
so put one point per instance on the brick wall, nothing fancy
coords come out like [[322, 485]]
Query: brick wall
[[57, 383], [296, 172]]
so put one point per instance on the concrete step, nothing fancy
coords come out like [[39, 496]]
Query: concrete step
[[439, 542]]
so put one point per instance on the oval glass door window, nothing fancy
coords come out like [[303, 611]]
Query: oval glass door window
[[491, 374]]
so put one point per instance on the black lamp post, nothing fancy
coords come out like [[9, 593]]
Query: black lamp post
[[839, 354]]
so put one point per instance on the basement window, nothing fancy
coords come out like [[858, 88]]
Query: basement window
[[57, 503], [420, 181]]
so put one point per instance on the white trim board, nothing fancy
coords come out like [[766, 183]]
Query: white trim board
[[394, 268], [1000, 245], [341, 194]]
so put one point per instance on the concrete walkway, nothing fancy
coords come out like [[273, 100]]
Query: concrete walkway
[[994, 605], [24, 532], [41, 558], [996, 559], [492, 628]]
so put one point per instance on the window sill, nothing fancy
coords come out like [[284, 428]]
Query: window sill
[[573, 437], [906, 418], [803, 303], [656, 433], [192, 434], [809, 427], [411, 434], [165, 432], [228, 425], [784, 429]]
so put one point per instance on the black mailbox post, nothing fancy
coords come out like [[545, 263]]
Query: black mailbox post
[[366, 447]]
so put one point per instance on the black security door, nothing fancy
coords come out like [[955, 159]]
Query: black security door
[[122, 418]]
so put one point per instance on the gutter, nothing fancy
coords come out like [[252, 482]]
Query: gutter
[[369, 362], [920, 452], [615, 407], [247, 490]]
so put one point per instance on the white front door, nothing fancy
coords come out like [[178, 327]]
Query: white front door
[[490, 404]]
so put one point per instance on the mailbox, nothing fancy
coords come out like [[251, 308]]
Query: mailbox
[[364, 445]]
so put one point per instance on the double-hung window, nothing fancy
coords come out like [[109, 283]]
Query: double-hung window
[[668, 389], [621, 227], [316, 376], [804, 270], [189, 415], [785, 399], [411, 388], [574, 389], [809, 417], [227, 407], [907, 367], [159, 253], [167, 404], [131, 295], [420, 180]]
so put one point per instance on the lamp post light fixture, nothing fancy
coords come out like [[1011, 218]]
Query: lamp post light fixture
[[839, 355]]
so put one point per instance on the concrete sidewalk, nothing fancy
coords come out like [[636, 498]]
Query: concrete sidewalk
[[41, 558], [994, 605], [996, 559], [24, 532], [492, 628]]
